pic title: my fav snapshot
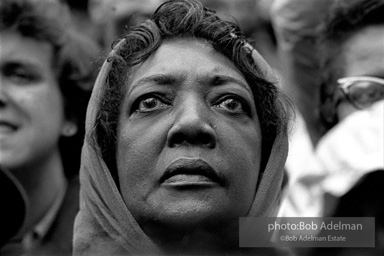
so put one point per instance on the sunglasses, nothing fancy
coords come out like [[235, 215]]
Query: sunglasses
[[362, 91]]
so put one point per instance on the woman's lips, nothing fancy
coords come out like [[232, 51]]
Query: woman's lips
[[191, 172], [186, 179]]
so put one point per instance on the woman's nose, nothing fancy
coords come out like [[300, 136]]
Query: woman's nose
[[192, 126]]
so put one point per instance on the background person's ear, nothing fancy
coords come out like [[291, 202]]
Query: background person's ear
[[69, 129]]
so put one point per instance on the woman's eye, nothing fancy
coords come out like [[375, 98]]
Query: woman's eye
[[232, 105], [150, 104]]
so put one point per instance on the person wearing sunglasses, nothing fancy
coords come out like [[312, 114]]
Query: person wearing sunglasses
[[359, 91], [352, 52], [351, 47]]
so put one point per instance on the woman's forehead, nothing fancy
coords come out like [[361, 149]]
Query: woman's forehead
[[186, 56]]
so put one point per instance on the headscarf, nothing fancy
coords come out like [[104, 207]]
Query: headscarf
[[105, 226]]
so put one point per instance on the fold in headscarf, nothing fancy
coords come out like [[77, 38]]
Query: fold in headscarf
[[104, 225]]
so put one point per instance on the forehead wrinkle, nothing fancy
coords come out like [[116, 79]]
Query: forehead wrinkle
[[170, 75], [172, 79]]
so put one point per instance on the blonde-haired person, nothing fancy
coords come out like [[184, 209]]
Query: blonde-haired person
[[46, 75]]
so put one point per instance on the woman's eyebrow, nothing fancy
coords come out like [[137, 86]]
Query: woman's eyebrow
[[159, 79], [227, 78]]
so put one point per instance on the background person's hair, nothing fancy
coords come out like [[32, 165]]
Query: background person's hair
[[345, 19], [178, 19], [74, 61]]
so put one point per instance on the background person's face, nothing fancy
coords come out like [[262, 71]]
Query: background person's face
[[189, 139], [31, 104], [364, 56]]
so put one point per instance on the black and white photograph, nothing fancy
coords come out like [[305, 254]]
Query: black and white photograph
[[192, 127]]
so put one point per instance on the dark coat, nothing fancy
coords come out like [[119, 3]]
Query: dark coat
[[58, 240]]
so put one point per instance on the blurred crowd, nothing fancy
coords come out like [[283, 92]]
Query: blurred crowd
[[327, 54]]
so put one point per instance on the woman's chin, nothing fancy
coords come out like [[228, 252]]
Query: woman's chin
[[189, 209], [187, 228], [189, 215]]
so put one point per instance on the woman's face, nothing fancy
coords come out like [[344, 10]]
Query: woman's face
[[31, 104], [189, 139]]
